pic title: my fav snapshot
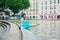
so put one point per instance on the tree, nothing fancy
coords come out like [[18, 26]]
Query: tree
[[2, 3], [15, 5], [26, 4]]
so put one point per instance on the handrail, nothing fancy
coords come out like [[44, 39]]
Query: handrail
[[20, 30], [5, 25]]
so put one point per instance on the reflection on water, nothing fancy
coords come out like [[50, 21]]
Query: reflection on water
[[48, 29], [1, 39]]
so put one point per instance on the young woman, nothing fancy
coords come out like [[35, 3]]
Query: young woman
[[25, 23]]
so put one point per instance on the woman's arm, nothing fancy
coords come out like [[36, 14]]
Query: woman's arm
[[34, 25]]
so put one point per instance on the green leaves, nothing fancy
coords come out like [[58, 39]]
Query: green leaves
[[2, 3], [15, 5], [26, 4]]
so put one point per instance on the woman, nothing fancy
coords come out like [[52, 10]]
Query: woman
[[25, 23]]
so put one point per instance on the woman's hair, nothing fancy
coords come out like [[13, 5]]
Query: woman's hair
[[22, 15]]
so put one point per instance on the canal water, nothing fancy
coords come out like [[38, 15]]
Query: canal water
[[47, 30]]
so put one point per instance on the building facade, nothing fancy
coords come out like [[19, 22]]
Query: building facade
[[32, 12], [49, 9], [43, 9]]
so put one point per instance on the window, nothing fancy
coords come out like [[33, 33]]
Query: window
[[50, 2], [50, 7], [45, 2], [54, 6], [45, 7], [50, 12], [41, 7], [42, 3], [36, 12], [54, 1], [54, 12], [36, 5], [41, 12], [30, 17], [58, 1], [33, 16], [45, 12], [58, 16]]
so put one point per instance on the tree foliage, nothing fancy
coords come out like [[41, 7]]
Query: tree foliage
[[26, 4], [2, 3], [15, 5]]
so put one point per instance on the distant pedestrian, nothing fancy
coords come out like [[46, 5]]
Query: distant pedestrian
[[4, 16]]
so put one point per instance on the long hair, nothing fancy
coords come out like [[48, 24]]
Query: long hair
[[22, 15]]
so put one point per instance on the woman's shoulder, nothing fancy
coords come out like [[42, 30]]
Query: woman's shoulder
[[21, 19], [27, 20]]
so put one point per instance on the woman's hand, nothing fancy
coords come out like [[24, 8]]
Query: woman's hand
[[34, 25]]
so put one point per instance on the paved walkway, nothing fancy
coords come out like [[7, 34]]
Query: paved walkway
[[28, 35], [15, 34]]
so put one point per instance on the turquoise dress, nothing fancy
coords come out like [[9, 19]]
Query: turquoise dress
[[24, 23]]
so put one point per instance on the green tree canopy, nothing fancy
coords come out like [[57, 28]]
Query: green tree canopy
[[15, 5], [2, 3]]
